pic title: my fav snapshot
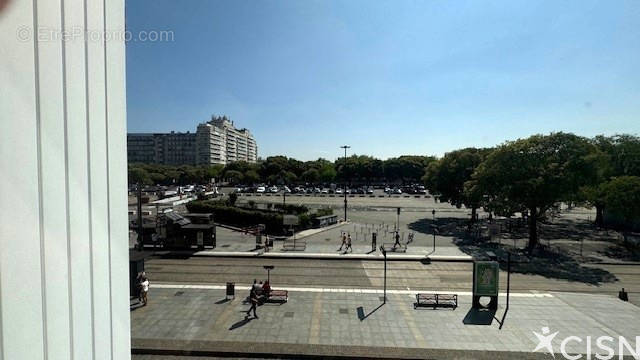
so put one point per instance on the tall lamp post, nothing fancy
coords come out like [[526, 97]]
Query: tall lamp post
[[384, 253], [345, 147], [433, 212]]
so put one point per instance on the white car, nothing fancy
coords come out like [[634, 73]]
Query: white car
[[260, 189], [286, 189], [338, 191], [324, 191], [273, 189]]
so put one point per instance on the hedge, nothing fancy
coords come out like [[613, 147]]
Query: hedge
[[225, 214]]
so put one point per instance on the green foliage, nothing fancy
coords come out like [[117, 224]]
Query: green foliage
[[138, 175], [238, 217], [324, 212], [234, 176], [251, 177], [233, 197], [447, 176], [291, 208], [311, 176], [535, 173], [622, 197]]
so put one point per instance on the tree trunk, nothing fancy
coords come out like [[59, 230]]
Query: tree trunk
[[599, 215], [533, 229], [473, 214]]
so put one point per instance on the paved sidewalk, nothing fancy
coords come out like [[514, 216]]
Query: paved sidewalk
[[324, 243], [182, 316]]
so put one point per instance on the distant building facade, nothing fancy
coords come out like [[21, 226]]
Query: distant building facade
[[214, 142], [157, 148]]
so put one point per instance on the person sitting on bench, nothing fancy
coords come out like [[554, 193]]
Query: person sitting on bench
[[266, 288]]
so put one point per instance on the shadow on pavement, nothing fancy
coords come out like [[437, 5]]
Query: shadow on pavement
[[479, 317], [362, 316], [543, 261], [135, 307], [240, 323], [176, 254], [222, 301]]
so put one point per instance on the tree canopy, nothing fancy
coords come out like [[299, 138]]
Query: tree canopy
[[535, 173]]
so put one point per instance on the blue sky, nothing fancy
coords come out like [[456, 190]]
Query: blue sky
[[386, 77]]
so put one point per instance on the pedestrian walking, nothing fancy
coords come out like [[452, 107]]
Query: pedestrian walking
[[397, 242], [139, 286], [348, 244], [144, 290], [253, 298], [255, 285], [344, 241]]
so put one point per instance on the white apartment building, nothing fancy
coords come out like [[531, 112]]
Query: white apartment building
[[219, 142]]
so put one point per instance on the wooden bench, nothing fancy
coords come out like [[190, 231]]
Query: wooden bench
[[299, 245], [278, 295], [435, 300]]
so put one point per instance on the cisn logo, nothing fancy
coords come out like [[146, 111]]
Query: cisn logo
[[546, 337]]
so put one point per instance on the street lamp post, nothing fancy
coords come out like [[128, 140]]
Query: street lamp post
[[433, 212], [384, 253], [345, 147], [140, 242], [268, 268]]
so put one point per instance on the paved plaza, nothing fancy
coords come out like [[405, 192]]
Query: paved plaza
[[356, 318], [334, 307]]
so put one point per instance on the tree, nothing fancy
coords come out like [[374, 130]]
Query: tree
[[213, 172], [251, 177], [617, 155], [448, 176], [234, 176], [311, 176], [327, 173], [534, 174], [138, 175], [290, 177], [157, 178], [622, 197]]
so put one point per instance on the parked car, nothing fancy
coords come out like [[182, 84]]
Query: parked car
[[387, 190], [273, 189], [286, 189], [420, 190], [369, 190], [397, 191], [339, 191], [261, 189], [324, 191]]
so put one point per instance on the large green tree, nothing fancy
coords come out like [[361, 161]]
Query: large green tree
[[138, 175], [535, 173], [617, 155], [448, 175], [622, 197]]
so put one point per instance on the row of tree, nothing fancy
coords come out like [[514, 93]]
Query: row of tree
[[284, 170], [528, 176], [533, 175]]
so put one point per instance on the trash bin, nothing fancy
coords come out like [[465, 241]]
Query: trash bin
[[231, 290]]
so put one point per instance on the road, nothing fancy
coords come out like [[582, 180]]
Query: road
[[441, 276]]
